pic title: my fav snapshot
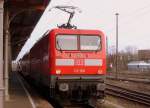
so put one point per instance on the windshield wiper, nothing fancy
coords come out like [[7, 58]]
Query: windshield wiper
[[59, 46], [98, 48]]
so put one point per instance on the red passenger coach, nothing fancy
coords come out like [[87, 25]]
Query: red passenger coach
[[70, 62]]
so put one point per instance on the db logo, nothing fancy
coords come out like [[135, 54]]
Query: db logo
[[79, 62]]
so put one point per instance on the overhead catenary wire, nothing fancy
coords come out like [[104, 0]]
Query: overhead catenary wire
[[127, 18]]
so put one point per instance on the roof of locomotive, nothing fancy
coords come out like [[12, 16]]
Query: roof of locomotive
[[76, 31]]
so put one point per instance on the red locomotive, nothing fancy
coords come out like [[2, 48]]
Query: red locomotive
[[71, 62]]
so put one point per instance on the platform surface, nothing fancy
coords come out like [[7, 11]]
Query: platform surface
[[18, 98]]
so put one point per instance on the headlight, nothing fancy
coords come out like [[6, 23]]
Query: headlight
[[58, 71], [101, 86], [64, 87], [99, 71]]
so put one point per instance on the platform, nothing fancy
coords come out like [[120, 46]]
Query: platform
[[19, 98]]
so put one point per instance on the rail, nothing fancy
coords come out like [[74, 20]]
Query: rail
[[78, 106], [128, 94]]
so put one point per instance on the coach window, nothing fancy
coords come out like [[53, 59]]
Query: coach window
[[90, 43], [66, 42]]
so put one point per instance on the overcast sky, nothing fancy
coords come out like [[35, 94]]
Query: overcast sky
[[134, 20]]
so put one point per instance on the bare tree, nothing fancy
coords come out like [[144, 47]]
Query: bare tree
[[124, 57]]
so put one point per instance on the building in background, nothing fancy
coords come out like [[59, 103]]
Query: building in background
[[144, 55]]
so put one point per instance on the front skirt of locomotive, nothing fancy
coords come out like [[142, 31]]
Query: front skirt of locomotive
[[80, 89]]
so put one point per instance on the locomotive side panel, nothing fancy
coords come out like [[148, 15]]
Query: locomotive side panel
[[38, 58]]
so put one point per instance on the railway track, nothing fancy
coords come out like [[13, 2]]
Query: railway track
[[53, 103], [77, 106], [72, 105], [128, 94], [145, 81]]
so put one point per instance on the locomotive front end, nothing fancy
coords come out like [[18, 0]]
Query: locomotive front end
[[78, 63]]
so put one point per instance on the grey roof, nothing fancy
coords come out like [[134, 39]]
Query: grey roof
[[138, 63]]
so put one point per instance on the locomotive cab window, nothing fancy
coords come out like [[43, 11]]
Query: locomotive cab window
[[85, 42], [66, 42], [90, 43]]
